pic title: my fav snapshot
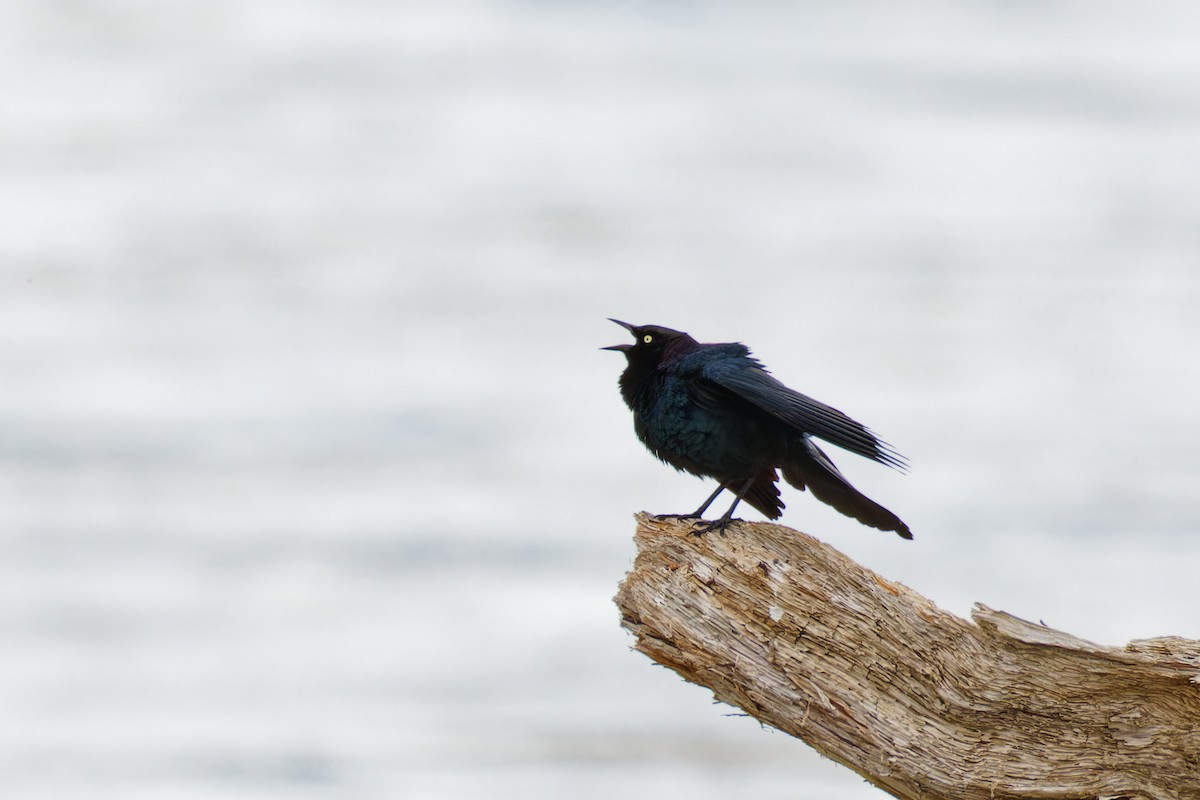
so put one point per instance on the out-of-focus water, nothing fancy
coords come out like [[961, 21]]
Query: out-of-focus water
[[313, 482]]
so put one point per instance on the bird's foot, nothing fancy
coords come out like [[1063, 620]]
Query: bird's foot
[[719, 525], [677, 516]]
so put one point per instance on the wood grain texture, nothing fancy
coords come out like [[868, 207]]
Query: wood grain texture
[[921, 703]]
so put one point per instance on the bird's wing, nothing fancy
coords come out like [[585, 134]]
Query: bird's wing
[[748, 381]]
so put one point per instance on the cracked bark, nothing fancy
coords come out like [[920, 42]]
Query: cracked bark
[[920, 702]]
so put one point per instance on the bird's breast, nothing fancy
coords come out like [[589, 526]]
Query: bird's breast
[[705, 439]]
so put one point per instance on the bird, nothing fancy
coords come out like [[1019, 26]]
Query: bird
[[713, 410]]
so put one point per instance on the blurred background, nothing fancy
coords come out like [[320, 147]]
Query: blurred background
[[314, 483]]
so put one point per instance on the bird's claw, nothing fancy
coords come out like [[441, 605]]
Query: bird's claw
[[719, 525]]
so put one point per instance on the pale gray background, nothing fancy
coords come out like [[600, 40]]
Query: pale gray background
[[313, 483]]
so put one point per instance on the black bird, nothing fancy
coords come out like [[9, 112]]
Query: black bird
[[714, 411]]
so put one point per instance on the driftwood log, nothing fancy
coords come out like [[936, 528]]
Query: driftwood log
[[921, 703]]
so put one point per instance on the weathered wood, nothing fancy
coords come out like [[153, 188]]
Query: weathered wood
[[921, 703]]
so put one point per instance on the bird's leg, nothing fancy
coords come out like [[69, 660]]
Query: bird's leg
[[723, 523], [699, 512]]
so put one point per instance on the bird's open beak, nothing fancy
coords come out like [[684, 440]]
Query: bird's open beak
[[620, 347]]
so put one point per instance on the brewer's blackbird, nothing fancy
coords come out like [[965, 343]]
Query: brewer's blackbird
[[714, 411]]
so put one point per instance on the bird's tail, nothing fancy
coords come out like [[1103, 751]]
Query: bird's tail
[[764, 494], [808, 467]]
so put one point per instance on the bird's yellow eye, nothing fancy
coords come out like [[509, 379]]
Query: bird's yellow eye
[[647, 338]]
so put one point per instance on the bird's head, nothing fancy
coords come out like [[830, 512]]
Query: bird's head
[[654, 345], [653, 342]]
